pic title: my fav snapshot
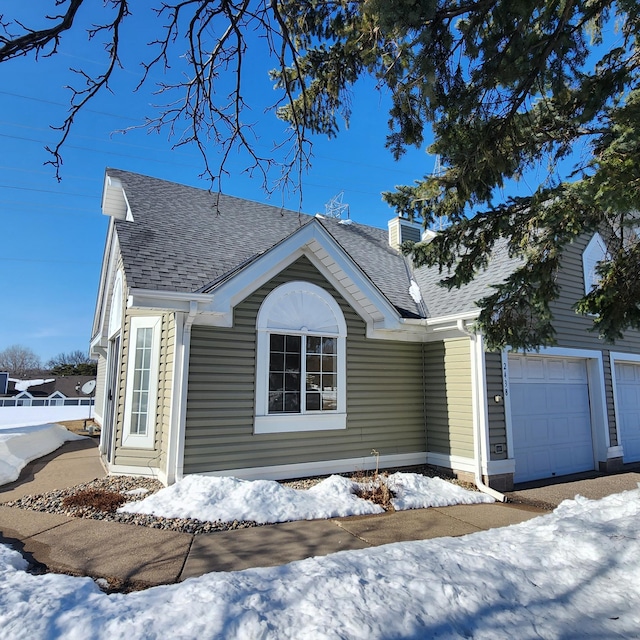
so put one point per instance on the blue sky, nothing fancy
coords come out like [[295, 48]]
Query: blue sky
[[53, 233]]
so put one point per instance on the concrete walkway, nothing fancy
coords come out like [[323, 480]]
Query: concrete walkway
[[136, 557]]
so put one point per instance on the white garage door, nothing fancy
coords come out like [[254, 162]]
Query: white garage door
[[628, 408], [550, 416]]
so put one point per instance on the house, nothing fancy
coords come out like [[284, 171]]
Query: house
[[50, 392], [236, 338]]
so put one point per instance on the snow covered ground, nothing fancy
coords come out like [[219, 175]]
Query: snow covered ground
[[570, 574], [228, 499], [21, 444], [27, 416]]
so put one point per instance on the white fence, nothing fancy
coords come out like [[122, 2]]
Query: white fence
[[46, 402]]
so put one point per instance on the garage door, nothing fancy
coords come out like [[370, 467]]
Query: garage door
[[628, 408], [550, 416]]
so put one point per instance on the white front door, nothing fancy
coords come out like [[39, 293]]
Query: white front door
[[550, 415], [628, 409]]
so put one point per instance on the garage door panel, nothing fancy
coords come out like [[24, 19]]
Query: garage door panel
[[551, 417], [628, 409]]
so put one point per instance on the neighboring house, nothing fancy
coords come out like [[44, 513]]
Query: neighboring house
[[242, 339], [48, 392]]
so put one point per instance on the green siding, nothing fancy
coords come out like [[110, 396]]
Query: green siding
[[497, 422], [449, 408], [572, 332], [384, 394]]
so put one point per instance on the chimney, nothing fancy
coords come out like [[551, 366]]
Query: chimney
[[4, 381], [401, 230]]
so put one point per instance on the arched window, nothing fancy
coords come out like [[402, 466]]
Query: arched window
[[301, 361]]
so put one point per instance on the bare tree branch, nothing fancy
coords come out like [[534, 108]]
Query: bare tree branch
[[36, 40]]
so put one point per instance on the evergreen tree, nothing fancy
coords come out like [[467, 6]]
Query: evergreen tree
[[511, 89]]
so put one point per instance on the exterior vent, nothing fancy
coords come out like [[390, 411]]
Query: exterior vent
[[403, 230]]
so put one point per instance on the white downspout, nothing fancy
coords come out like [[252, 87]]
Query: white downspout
[[479, 401], [184, 384]]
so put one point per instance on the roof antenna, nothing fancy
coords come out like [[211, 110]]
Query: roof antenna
[[335, 207]]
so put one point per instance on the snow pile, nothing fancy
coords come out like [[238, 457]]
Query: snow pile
[[570, 574], [226, 499], [23, 385], [20, 445], [415, 293], [413, 491]]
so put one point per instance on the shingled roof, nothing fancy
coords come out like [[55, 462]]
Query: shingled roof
[[189, 240]]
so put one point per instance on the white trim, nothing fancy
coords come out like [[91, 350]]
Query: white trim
[[450, 461], [297, 422], [614, 357], [115, 309], [324, 467], [615, 452], [451, 319], [624, 357], [506, 402], [320, 302], [478, 361], [114, 199], [175, 400], [166, 300], [132, 470], [103, 300], [468, 465], [129, 439], [184, 390]]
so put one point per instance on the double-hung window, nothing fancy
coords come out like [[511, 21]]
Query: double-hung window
[[300, 382]]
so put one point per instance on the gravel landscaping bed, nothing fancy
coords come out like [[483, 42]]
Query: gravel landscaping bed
[[54, 502]]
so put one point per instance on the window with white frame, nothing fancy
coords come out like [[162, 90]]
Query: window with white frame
[[142, 382], [301, 361], [595, 252]]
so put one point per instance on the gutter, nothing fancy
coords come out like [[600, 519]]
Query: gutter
[[478, 385]]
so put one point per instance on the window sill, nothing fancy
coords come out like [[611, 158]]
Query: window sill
[[296, 422]]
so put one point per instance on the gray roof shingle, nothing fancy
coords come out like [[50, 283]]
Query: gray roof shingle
[[441, 301], [187, 239]]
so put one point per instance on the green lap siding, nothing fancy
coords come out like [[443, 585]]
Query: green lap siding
[[385, 409], [497, 422], [572, 330], [448, 398]]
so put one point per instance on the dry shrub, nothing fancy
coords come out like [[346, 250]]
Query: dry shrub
[[98, 499], [373, 487]]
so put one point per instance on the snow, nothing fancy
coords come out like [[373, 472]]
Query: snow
[[27, 416], [414, 491], [570, 574], [414, 292], [23, 385], [20, 445], [226, 499]]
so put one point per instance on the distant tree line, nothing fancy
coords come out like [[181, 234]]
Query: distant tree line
[[22, 362]]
